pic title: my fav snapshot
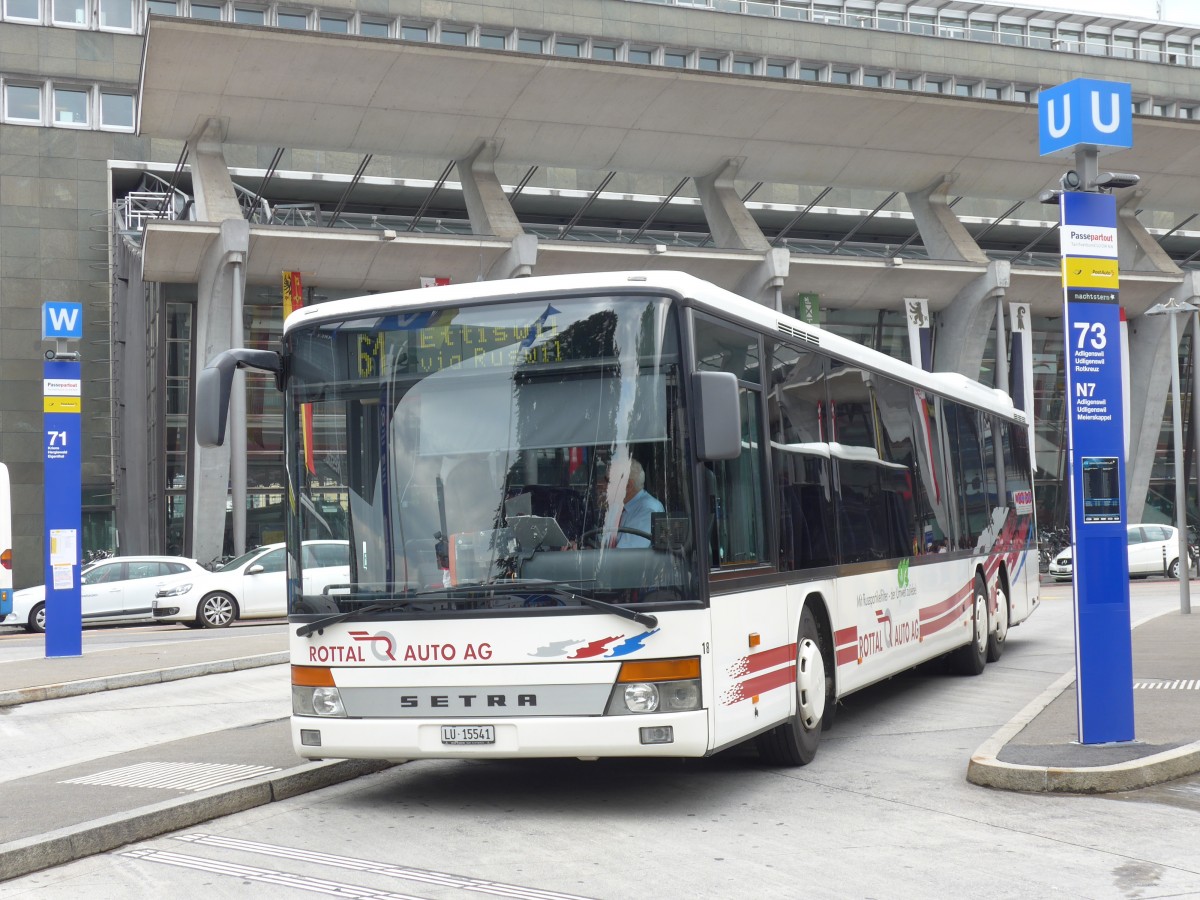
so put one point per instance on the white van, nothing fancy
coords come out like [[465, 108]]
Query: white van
[[6, 557]]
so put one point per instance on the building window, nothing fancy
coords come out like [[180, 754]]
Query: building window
[[933, 86], [642, 57], [415, 32], [841, 76], [1023, 95], [568, 48], [889, 21], [1152, 50], [25, 10], [1124, 46], [1012, 34], [204, 11], [1095, 43], [1160, 109], [247, 15], [709, 63], [981, 30], [604, 51], [921, 24], [872, 79], [531, 44], [1068, 39], [964, 89], [70, 106], [1040, 37], [22, 103], [116, 14], [810, 73], [74, 12], [743, 67], [159, 7], [674, 59], [491, 41], [334, 25], [455, 36], [373, 28], [952, 27], [992, 92], [294, 20], [903, 83], [116, 110], [777, 70]]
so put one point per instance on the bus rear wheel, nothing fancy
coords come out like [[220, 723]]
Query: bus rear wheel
[[795, 742]]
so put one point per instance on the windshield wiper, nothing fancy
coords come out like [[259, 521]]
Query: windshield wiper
[[320, 625], [508, 586], [647, 619]]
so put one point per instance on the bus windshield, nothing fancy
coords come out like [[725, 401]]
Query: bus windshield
[[507, 456]]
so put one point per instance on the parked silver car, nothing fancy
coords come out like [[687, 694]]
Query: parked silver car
[[1153, 550], [117, 589]]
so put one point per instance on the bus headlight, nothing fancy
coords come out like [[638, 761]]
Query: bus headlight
[[641, 697], [317, 701]]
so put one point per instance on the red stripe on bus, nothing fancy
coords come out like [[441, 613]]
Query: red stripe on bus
[[768, 659]]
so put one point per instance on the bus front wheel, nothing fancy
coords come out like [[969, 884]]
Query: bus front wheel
[[794, 743], [971, 658]]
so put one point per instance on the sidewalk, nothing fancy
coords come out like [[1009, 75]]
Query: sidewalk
[[1039, 749], [68, 813]]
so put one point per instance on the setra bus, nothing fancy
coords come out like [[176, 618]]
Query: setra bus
[[626, 514]]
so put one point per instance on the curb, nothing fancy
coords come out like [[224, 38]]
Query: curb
[[985, 770], [137, 679], [66, 845]]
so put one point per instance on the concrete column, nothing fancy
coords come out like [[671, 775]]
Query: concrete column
[[216, 199], [518, 260], [487, 205], [1150, 358], [963, 327], [209, 488], [943, 235], [1137, 250], [764, 283], [732, 226]]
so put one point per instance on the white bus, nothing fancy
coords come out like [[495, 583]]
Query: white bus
[[627, 514], [6, 556]]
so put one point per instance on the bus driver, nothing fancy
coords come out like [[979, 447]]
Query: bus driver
[[639, 504]]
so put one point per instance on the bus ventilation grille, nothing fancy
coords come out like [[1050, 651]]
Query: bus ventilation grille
[[797, 333]]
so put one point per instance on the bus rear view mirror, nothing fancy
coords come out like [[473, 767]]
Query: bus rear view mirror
[[214, 384], [718, 418]]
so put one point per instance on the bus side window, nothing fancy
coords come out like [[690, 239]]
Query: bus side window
[[735, 486]]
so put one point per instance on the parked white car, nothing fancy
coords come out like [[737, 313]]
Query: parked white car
[[117, 589], [1153, 549], [252, 586]]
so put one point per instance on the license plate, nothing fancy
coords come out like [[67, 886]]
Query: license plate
[[468, 734]]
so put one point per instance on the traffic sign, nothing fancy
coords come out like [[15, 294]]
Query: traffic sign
[[1085, 112]]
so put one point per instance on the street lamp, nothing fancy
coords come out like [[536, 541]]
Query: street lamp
[[1171, 309]]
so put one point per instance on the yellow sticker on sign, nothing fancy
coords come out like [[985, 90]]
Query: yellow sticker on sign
[[62, 404], [1085, 272]]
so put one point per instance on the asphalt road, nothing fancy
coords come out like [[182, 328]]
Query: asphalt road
[[884, 811]]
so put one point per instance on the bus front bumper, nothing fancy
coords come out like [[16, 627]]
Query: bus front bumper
[[531, 737]]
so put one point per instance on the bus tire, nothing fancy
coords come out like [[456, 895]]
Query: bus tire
[[998, 634], [971, 658], [795, 742], [37, 620], [217, 611]]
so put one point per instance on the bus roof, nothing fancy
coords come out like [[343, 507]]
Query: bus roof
[[699, 293]]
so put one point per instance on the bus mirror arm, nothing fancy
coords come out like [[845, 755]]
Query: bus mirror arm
[[215, 383]]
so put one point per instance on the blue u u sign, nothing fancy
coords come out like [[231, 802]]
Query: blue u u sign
[[1085, 111]]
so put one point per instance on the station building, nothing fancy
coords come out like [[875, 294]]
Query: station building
[[166, 161]]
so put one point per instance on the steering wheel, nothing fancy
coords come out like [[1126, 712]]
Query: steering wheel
[[589, 538]]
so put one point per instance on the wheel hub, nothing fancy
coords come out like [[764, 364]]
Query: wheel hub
[[810, 683]]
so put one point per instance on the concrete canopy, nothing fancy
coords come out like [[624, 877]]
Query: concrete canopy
[[367, 95]]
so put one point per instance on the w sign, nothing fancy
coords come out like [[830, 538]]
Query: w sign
[[62, 321], [1085, 112]]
